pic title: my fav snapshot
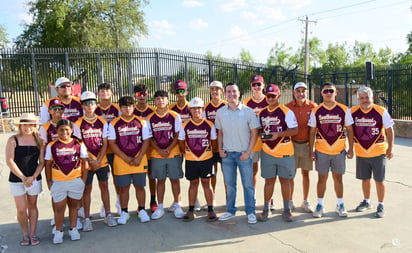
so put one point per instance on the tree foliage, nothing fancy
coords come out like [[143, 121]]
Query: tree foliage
[[83, 24], [3, 37]]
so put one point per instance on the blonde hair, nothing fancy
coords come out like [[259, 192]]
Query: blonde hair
[[37, 139]]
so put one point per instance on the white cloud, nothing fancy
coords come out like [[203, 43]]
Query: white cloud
[[192, 3], [237, 32], [297, 4], [231, 5], [160, 28], [252, 17], [270, 13], [198, 24]]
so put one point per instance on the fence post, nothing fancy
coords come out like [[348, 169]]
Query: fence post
[[67, 64], [346, 89], [157, 70], [309, 83], [211, 74], [389, 91], [186, 73], [236, 77], [99, 69], [35, 83], [129, 73]]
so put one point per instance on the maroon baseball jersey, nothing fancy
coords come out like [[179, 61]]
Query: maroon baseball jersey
[[198, 137], [211, 109]]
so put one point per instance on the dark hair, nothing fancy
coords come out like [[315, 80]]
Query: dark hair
[[126, 101], [329, 84], [64, 122], [140, 87], [104, 86], [161, 93]]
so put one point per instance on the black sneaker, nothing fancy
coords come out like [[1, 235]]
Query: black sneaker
[[287, 215], [380, 211], [363, 206]]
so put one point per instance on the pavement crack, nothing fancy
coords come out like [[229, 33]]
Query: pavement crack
[[400, 183], [286, 244]]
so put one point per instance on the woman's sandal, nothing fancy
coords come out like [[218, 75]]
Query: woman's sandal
[[211, 216], [25, 241], [189, 216], [34, 240]]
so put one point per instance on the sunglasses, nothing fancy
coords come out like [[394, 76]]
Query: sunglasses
[[271, 96], [180, 91], [256, 84], [328, 91], [141, 93], [57, 108], [64, 86], [89, 102]]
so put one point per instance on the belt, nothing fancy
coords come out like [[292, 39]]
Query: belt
[[300, 142]]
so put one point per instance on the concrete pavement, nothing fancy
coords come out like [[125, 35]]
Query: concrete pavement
[[360, 232]]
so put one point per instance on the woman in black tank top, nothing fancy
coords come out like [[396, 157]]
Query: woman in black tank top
[[25, 158]]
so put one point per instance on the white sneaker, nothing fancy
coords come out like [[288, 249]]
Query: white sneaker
[[197, 205], [102, 212], [226, 216], [54, 228], [87, 225], [124, 217], [158, 213], [178, 212], [80, 212], [110, 221], [251, 218], [74, 234], [341, 210], [79, 224], [292, 206], [307, 207], [58, 237], [172, 207], [143, 216]]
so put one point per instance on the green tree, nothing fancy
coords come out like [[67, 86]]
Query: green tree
[[246, 56], [83, 24], [3, 37], [336, 56], [362, 52], [280, 55]]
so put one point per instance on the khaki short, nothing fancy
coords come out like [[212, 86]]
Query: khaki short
[[63, 189], [18, 189], [302, 159]]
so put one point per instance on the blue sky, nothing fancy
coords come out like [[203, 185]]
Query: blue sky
[[226, 26]]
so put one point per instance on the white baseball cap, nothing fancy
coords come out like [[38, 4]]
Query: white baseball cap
[[216, 84], [196, 102], [300, 85], [87, 95], [61, 81]]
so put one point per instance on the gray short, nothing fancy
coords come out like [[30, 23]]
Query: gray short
[[167, 167], [18, 189], [334, 163], [102, 175], [272, 166], [255, 156], [366, 166], [138, 179], [63, 189], [302, 159]]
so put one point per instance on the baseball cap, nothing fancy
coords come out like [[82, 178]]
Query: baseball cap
[[180, 85], [61, 81], [257, 79], [87, 95], [300, 85], [55, 102], [196, 102], [272, 89], [216, 84]]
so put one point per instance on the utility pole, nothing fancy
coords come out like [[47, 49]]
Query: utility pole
[[307, 21]]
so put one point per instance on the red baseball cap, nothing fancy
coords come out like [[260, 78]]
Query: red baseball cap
[[272, 89], [180, 85], [55, 102], [257, 79]]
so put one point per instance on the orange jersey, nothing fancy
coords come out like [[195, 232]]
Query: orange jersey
[[369, 130], [330, 124], [302, 114]]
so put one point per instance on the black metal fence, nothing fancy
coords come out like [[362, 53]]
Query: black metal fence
[[26, 76]]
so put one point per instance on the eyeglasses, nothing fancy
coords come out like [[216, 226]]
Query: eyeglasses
[[180, 91], [64, 86], [141, 93], [89, 102], [271, 96], [326, 91], [256, 84], [57, 108]]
